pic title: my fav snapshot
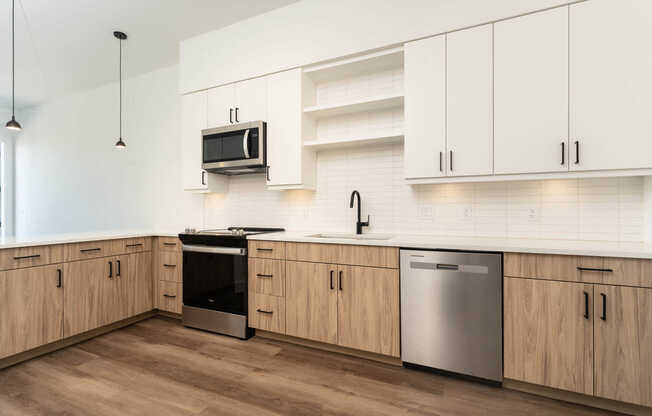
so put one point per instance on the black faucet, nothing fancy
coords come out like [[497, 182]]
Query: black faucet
[[359, 224]]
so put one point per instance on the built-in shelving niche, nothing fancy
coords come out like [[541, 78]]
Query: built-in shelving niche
[[355, 101]]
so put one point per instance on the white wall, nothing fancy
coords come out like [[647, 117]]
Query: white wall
[[7, 176], [317, 30], [71, 178], [609, 209]]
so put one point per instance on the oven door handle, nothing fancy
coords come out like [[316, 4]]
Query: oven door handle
[[245, 144], [234, 251]]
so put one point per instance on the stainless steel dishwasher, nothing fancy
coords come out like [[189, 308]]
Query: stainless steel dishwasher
[[451, 312]]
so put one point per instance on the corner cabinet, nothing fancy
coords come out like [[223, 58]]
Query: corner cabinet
[[194, 120]]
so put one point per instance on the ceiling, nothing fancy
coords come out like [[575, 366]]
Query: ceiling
[[68, 45]]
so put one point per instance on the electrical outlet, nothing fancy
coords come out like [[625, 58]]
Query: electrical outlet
[[468, 212]]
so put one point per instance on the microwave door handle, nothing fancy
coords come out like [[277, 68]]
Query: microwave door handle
[[245, 144]]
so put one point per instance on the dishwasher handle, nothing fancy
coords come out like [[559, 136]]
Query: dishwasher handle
[[441, 266]]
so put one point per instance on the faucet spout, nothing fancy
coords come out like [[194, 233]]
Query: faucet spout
[[359, 224]]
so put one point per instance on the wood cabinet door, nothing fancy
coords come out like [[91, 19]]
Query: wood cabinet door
[[368, 309], [469, 102], [531, 93], [31, 309], [88, 295], [140, 283], [623, 344], [311, 301], [610, 84], [118, 308], [425, 108], [548, 336]]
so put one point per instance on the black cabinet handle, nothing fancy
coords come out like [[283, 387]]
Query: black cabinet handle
[[203, 177], [563, 153], [577, 152], [110, 269], [267, 173], [604, 307], [169, 296], [451, 161], [586, 305], [119, 269], [169, 265], [33, 256], [236, 115], [265, 276], [265, 312], [88, 250], [265, 249], [332, 280], [593, 269], [340, 280], [59, 278], [134, 245], [441, 166], [231, 115], [170, 244]]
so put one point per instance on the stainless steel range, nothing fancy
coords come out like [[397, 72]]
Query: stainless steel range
[[215, 272]]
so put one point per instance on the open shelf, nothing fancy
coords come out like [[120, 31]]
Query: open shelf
[[356, 106], [357, 65], [339, 142]]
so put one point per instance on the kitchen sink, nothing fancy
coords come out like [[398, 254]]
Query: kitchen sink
[[352, 236]]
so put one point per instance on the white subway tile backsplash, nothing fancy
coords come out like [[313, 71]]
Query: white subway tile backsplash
[[609, 209]]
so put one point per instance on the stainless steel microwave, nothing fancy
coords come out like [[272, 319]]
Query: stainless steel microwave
[[235, 149]]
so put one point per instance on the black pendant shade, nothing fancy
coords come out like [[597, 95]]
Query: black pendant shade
[[13, 124], [120, 144]]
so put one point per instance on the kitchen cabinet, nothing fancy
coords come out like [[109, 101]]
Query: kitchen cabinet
[[425, 108], [623, 344], [237, 103], [610, 85], [220, 106], [469, 102], [268, 313], [531, 93], [290, 164], [170, 297], [548, 333], [367, 309], [31, 310], [140, 283], [194, 120], [311, 301]]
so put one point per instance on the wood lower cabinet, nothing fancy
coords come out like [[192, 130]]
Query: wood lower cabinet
[[368, 309], [623, 344], [140, 283], [31, 308], [169, 296], [267, 313], [548, 333], [311, 301]]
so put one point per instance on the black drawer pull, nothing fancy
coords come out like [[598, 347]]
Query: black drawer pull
[[88, 250], [604, 307], [265, 276], [265, 312], [110, 270], [135, 245], [169, 265], [33, 256], [118, 274], [586, 305], [59, 278], [170, 244], [169, 296], [332, 280], [340, 280], [593, 269], [265, 249]]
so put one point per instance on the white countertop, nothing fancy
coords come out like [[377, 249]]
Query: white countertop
[[42, 240], [516, 245]]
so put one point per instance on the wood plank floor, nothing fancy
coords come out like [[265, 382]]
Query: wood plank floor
[[158, 367]]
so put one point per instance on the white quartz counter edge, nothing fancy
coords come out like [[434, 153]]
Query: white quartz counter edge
[[13, 242], [563, 247]]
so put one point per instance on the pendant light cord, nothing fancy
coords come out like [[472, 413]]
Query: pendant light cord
[[120, 89], [13, 61]]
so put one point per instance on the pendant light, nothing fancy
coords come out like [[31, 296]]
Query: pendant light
[[13, 124], [120, 144]]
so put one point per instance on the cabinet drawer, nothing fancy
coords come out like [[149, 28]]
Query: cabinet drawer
[[169, 244], [267, 276], [267, 249], [88, 250], [267, 312], [170, 266], [170, 296], [386, 257], [18, 258], [131, 245]]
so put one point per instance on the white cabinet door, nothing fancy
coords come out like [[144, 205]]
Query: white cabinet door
[[531, 93], [221, 106], [284, 139], [251, 100], [611, 84], [425, 108], [469, 104]]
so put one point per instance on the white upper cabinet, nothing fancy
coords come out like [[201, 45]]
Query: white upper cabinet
[[611, 84], [220, 106], [425, 108], [251, 100], [194, 117], [531, 93], [469, 103], [290, 165]]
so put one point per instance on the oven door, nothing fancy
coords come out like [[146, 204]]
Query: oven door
[[238, 145], [215, 278]]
